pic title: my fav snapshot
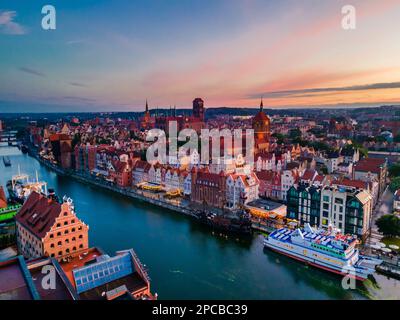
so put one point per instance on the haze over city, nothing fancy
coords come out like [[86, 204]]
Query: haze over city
[[112, 56]]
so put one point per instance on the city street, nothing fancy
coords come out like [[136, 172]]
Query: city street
[[384, 206]]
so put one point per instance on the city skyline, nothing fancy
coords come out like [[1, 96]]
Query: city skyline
[[111, 56]]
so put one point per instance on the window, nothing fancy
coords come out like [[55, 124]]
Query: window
[[338, 200], [65, 223], [81, 246], [52, 245], [59, 243], [51, 236], [60, 253], [65, 214], [326, 198], [58, 234], [80, 236], [58, 225]]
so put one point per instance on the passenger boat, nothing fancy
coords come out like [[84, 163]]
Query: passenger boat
[[20, 187], [325, 249]]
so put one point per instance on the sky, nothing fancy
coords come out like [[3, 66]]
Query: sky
[[113, 55]]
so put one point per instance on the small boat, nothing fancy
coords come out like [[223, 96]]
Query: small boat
[[7, 161]]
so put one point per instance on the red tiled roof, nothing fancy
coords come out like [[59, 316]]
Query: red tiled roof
[[370, 165], [308, 175], [207, 176], [265, 175], [352, 183], [38, 214]]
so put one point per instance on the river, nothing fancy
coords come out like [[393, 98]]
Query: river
[[185, 259]]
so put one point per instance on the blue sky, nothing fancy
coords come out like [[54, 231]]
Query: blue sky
[[112, 55]]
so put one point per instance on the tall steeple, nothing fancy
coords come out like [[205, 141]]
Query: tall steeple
[[261, 105], [147, 107]]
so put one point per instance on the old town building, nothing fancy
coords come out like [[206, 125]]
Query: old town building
[[46, 227], [208, 188]]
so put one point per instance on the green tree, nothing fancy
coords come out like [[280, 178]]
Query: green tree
[[394, 170], [295, 133], [280, 137], [395, 184], [389, 225]]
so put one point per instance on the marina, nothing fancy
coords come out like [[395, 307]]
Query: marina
[[244, 269]]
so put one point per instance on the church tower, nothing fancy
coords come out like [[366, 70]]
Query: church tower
[[261, 126], [198, 109]]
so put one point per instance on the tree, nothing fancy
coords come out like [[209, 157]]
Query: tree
[[389, 225], [295, 133], [280, 137], [394, 170], [395, 184]]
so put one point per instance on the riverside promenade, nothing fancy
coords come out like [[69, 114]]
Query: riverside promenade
[[156, 200]]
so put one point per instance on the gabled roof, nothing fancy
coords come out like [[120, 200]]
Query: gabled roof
[[309, 175], [38, 214]]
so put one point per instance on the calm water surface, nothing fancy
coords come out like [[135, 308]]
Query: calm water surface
[[185, 260]]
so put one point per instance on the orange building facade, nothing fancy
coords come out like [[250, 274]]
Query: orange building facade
[[46, 227]]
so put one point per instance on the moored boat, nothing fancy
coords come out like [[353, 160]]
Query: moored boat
[[24, 148], [6, 161], [20, 187], [325, 249]]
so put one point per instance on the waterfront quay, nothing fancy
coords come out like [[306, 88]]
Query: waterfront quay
[[154, 199]]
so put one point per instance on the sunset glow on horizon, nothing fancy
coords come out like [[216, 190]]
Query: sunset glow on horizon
[[112, 55]]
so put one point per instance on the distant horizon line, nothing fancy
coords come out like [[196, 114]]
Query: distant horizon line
[[328, 107]]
